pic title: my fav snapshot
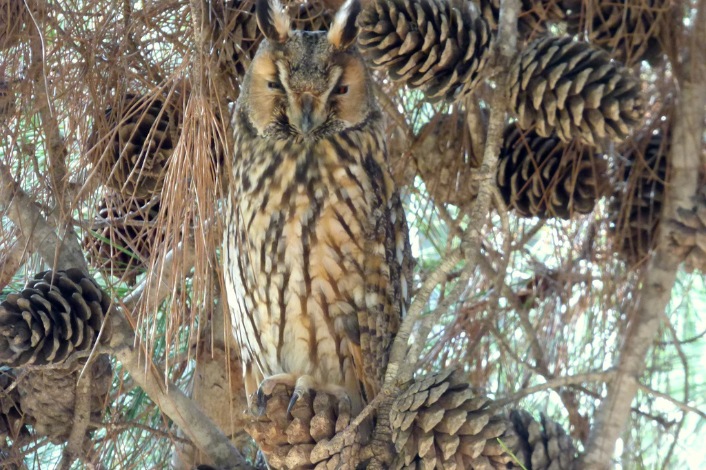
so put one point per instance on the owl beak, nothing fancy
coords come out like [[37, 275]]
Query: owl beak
[[307, 121]]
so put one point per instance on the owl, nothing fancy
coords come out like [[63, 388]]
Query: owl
[[316, 251]]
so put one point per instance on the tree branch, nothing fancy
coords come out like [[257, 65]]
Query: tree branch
[[205, 435], [659, 280], [505, 50], [35, 230], [604, 376]]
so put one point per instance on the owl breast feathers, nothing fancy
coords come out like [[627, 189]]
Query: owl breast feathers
[[317, 255]]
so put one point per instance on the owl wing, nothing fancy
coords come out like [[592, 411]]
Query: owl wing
[[388, 275]]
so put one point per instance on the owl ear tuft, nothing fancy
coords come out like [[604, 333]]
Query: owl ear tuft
[[273, 20], [344, 30]]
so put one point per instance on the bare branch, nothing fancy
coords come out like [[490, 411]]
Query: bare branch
[[604, 376], [35, 230], [659, 280], [82, 417], [505, 48]]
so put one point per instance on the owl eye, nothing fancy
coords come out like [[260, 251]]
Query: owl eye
[[274, 85], [340, 90]]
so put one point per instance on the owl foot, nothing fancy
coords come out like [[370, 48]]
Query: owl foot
[[306, 387], [267, 389], [296, 418]]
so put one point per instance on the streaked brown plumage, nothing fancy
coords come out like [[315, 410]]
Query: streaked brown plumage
[[316, 251]]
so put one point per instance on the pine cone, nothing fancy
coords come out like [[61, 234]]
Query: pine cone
[[575, 89], [125, 235], [7, 100], [547, 446], [289, 439], [240, 35], [55, 315], [439, 422], [630, 30], [48, 397], [535, 15], [13, 424], [689, 235], [437, 45], [544, 177], [639, 193], [445, 160], [132, 145]]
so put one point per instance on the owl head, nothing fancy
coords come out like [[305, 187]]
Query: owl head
[[305, 85]]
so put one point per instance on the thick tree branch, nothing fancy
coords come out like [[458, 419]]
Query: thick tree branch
[[11, 256], [35, 230], [659, 280], [205, 435], [82, 417]]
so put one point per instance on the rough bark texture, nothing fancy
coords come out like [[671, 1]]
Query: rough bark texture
[[217, 389], [656, 289]]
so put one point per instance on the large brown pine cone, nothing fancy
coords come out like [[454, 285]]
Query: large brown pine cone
[[545, 445], [238, 36], [48, 397], [132, 143], [535, 15], [689, 235], [439, 422], [636, 207], [54, 315], [545, 177], [125, 235], [13, 422], [289, 439], [630, 30], [574, 89], [7, 100], [437, 45], [444, 158]]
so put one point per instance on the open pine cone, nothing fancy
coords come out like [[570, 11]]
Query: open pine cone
[[49, 395], [545, 177], [439, 422], [574, 89], [288, 439], [444, 159], [125, 235], [630, 30], [7, 100], [636, 207], [131, 146], [545, 445], [54, 315], [438, 46]]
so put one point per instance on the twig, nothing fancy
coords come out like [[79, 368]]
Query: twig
[[687, 135], [604, 376], [506, 47], [681, 405], [82, 417], [143, 427]]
